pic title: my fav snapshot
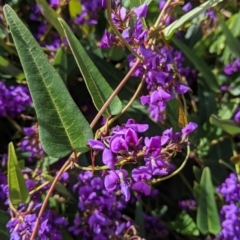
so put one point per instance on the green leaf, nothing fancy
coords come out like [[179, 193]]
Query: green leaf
[[60, 63], [207, 212], [137, 3], [184, 225], [199, 64], [62, 127], [4, 218], [139, 218], [7, 68], [96, 84], [75, 8], [171, 29], [231, 41], [60, 188], [50, 15], [18, 192], [226, 124]]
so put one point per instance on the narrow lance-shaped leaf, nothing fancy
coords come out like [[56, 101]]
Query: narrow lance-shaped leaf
[[50, 15], [199, 64], [96, 84], [62, 127], [171, 29], [226, 124], [18, 192], [139, 218], [231, 41], [60, 63], [207, 212]]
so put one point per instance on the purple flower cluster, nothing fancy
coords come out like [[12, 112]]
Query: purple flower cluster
[[13, 100], [230, 212], [50, 228], [89, 13], [22, 222], [31, 143], [155, 228], [151, 156], [161, 67], [99, 216], [232, 67], [188, 205]]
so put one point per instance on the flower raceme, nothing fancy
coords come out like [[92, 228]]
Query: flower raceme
[[149, 157], [162, 67]]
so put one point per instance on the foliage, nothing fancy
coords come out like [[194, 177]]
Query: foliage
[[114, 111]]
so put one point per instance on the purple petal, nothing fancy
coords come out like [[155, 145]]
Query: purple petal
[[141, 11], [125, 190], [189, 128], [131, 137], [141, 187], [181, 89], [117, 144], [96, 144], [145, 99], [108, 158], [110, 181]]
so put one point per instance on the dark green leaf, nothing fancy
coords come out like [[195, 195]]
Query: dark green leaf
[[18, 192], [62, 127], [50, 15], [200, 65], [4, 218], [207, 212], [231, 41], [170, 30], [184, 225], [96, 84], [60, 63], [139, 218], [197, 173], [226, 124], [7, 68]]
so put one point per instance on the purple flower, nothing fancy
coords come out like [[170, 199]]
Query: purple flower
[[189, 128], [96, 144], [117, 144], [153, 145], [187, 7], [108, 158], [108, 40], [141, 11], [113, 178], [181, 89], [141, 174], [131, 137], [135, 126]]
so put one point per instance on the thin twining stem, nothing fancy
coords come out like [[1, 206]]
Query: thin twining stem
[[65, 167], [175, 172], [115, 92]]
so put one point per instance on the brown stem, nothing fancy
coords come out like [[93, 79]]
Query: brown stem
[[45, 202], [115, 92]]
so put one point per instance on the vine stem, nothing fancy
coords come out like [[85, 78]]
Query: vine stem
[[66, 166], [114, 93], [175, 172], [127, 106]]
